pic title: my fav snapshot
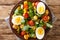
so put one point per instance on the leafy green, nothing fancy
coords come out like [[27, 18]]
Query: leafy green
[[21, 12], [31, 30], [26, 28], [49, 25], [41, 23], [32, 35], [29, 18], [37, 24], [47, 28], [29, 3], [35, 11], [31, 12], [18, 12], [39, 15], [23, 22]]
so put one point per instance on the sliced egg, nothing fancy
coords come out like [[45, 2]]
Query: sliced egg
[[41, 8], [40, 33], [17, 20]]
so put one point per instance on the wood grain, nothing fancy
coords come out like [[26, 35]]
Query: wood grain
[[6, 2], [53, 2], [5, 32], [9, 2], [4, 10], [7, 37]]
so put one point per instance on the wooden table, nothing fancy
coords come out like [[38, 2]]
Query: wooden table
[[6, 7]]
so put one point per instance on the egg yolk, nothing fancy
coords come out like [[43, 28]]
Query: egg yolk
[[18, 20], [40, 31], [41, 9]]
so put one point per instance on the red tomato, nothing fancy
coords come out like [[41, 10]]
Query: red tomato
[[36, 3], [45, 18], [31, 23], [23, 33], [26, 15]]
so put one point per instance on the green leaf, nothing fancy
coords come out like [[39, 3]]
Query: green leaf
[[49, 25], [41, 23], [35, 10], [47, 28], [39, 15], [23, 22], [29, 3], [18, 12], [32, 35], [37, 24], [31, 30], [31, 13], [21, 11], [29, 18], [26, 28]]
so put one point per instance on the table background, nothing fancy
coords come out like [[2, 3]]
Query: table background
[[6, 7]]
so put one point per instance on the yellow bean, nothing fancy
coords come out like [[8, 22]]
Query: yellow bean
[[47, 12], [33, 27], [22, 25], [15, 26], [26, 37], [25, 11]]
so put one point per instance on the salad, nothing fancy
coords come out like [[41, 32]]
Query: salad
[[31, 19]]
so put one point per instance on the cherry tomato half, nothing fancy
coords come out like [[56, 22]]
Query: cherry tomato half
[[23, 33]]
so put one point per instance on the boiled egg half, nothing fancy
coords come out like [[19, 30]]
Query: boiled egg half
[[40, 33], [41, 8], [17, 20]]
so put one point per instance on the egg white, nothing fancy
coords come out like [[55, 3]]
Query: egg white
[[40, 36], [40, 4], [14, 18]]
